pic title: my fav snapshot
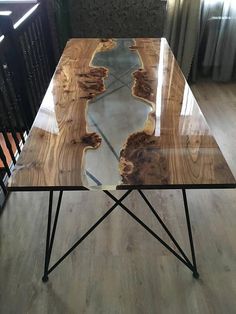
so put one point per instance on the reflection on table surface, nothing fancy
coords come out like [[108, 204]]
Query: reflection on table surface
[[146, 127]]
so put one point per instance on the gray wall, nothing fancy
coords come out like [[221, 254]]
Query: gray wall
[[117, 18]]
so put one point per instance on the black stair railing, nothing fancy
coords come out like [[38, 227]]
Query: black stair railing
[[26, 66]]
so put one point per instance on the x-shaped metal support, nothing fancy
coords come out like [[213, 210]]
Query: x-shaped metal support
[[118, 202]]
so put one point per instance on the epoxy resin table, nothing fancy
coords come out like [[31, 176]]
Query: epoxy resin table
[[119, 114]]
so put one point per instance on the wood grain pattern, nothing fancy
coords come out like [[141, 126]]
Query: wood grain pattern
[[53, 153], [176, 146]]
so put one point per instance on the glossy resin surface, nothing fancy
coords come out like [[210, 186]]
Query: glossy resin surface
[[119, 114]]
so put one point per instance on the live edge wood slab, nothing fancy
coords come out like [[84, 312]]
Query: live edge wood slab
[[172, 148]]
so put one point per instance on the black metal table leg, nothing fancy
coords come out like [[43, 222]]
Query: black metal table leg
[[195, 272], [118, 202], [45, 276], [183, 257], [50, 237]]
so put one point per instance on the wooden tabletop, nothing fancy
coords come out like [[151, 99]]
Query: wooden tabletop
[[119, 114]]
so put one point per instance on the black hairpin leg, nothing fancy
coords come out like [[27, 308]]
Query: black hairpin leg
[[50, 237], [118, 202], [195, 272], [182, 256]]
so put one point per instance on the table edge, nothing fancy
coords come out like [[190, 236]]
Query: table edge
[[125, 187]]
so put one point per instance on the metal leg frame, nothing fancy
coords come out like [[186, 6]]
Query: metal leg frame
[[50, 238], [118, 202]]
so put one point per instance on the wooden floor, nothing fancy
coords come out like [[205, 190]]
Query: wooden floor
[[120, 268]]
